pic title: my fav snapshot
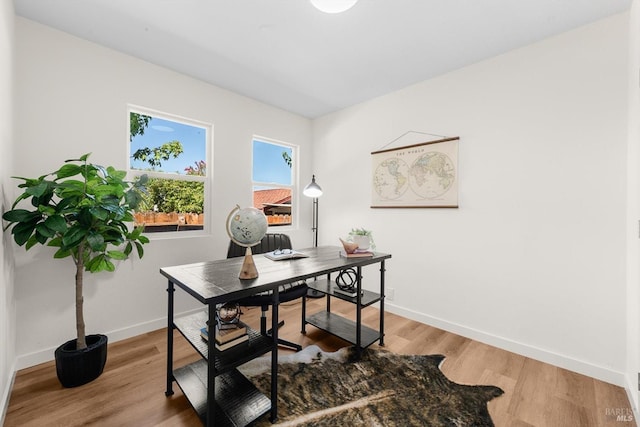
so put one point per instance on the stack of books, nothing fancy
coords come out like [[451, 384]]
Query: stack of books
[[350, 292], [227, 336], [358, 253]]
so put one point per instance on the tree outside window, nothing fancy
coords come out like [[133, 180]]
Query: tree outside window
[[173, 153]]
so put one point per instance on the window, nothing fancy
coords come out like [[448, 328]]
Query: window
[[173, 153], [273, 180]]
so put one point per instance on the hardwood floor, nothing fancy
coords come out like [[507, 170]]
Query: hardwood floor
[[130, 392]]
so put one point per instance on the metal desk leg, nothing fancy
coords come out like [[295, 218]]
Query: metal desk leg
[[211, 371], [274, 356], [303, 328], [359, 312], [382, 296], [170, 326]]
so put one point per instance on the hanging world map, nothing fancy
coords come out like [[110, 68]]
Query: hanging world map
[[421, 175]]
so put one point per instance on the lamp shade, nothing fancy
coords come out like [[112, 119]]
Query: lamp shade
[[313, 189], [333, 6]]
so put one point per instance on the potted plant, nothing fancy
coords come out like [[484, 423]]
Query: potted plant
[[364, 238], [81, 209]]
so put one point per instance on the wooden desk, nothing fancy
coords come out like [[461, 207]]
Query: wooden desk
[[213, 386]]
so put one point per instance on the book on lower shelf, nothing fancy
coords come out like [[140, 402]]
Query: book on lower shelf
[[227, 333], [358, 253], [204, 333]]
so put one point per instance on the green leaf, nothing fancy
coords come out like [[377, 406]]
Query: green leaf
[[73, 236], [38, 190], [119, 255], [68, 170], [44, 230], [140, 250], [128, 248], [31, 242], [100, 263], [22, 232], [21, 215], [93, 265], [96, 241], [143, 239], [40, 237], [99, 213], [62, 253], [55, 242], [46, 210], [56, 223], [116, 174]]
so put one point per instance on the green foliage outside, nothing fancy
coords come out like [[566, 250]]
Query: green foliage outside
[[167, 195], [170, 195], [287, 158], [137, 124], [155, 156]]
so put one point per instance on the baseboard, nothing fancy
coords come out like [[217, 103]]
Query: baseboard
[[585, 368], [6, 394], [46, 355]]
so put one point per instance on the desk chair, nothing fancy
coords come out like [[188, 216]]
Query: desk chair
[[289, 292]]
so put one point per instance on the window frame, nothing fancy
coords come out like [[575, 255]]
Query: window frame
[[207, 179], [295, 150]]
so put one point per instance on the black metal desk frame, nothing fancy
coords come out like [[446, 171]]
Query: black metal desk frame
[[217, 282]]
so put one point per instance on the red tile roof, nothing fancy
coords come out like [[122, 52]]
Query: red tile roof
[[272, 196]]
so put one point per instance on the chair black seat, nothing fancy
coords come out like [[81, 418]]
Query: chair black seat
[[286, 295], [288, 292]]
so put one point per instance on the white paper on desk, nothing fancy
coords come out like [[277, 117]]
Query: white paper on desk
[[279, 255]]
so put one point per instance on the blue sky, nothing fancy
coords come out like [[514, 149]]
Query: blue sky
[[160, 131], [268, 165]]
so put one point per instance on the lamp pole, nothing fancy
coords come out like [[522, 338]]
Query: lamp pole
[[314, 225], [313, 190]]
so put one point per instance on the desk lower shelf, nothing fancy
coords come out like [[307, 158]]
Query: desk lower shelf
[[343, 328], [189, 327], [238, 401]]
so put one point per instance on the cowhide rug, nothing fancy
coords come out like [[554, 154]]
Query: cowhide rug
[[381, 389]]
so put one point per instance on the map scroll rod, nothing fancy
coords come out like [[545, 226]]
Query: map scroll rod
[[404, 147]]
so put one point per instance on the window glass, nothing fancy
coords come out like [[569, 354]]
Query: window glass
[[173, 153], [273, 179]]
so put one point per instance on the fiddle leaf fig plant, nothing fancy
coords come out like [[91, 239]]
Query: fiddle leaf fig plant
[[82, 209]]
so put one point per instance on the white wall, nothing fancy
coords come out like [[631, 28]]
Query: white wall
[[71, 99], [633, 209], [534, 258], [7, 299]]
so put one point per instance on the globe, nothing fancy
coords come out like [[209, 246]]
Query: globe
[[246, 226]]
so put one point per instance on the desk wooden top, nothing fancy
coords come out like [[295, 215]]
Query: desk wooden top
[[217, 281]]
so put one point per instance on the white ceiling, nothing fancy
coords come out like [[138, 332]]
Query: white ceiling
[[290, 55]]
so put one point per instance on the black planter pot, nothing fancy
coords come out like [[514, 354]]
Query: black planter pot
[[78, 367]]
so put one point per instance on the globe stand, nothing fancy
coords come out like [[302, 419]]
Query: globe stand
[[248, 270]]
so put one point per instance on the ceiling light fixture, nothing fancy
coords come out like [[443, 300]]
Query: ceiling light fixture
[[333, 6]]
